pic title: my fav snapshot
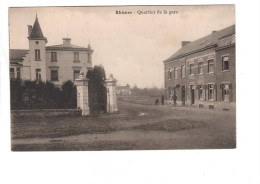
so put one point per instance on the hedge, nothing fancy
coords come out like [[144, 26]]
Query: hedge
[[28, 94]]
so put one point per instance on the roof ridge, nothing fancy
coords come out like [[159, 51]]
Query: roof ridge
[[211, 39]]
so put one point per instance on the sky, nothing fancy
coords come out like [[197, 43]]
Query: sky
[[130, 46]]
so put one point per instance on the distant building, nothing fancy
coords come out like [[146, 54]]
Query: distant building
[[123, 90], [56, 63], [202, 73]]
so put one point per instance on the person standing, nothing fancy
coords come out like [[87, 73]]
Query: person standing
[[162, 99], [174, 99]]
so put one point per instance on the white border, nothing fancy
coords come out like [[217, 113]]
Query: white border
[[241, 165]]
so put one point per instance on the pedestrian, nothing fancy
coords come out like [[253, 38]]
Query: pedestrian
[[174, 99], [162, 99], [156, 101]]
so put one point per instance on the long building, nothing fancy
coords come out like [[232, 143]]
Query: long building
[[202, 73], [56, 63]]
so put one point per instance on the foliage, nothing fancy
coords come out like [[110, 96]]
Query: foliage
[[69, 94], [97, 89], [152, 92], [28, 94]]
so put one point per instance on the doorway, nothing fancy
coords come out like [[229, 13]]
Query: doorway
[[183, 95], [192, 92]]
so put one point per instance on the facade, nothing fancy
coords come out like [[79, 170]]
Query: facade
[[123, 90], [202, 73], [57, 63]]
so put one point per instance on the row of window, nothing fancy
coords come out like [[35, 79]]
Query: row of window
[[210, 89], [54, 56], [55, 74], [225, 88], [173, 72]]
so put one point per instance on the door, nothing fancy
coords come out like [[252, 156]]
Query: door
[[226, 97], [192, 92], [183, 95]]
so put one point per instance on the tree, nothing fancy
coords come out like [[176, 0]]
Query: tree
[[69, 95], [17, 91], [97, 89]]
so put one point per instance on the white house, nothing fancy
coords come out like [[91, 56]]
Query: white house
[[56, 63]]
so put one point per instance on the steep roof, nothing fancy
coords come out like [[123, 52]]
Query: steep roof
[[203, 43], [17, 54], [36, 30]]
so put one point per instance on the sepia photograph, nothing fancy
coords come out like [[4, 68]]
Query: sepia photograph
[[99, 78]]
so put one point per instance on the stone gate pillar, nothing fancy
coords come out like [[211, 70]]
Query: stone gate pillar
[[111, 94], [82, 94]]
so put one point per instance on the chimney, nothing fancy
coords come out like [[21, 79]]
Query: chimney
[[214, 32], [66, 42], [29, 30], [183, 43]]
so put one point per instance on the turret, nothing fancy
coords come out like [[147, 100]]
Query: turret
[[37, 45]]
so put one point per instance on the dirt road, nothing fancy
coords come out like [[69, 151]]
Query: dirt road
[[136, 127]]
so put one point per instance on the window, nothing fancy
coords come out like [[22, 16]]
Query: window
[[210, 92], [54, 75], [211, 66], [200, 92], [38, 75], [18, 72], [170, 92], [182, 71], [225, 66], [200, 69], [76, 57], [53, 56], [233, 39], [175, 72], [191, 69], [89, 58], [169, 74], [12, 75], [37, 55], [76, 74], [226, 88]]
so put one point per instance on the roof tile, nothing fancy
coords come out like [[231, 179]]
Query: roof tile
[[204, 42]]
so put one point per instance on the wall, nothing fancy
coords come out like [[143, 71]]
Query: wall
[[46, 112], [65, 64], [188, 80], [37, 64], [227, 76], [216, 78]]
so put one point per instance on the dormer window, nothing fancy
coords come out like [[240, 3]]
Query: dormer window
[[37, 55]]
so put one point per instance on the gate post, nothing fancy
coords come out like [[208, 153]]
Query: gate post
[[82, 94], [111, 94]]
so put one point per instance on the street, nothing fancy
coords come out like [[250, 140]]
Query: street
[[135, 127]]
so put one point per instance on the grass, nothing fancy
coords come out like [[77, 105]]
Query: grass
[[145, 100], [135, 127]]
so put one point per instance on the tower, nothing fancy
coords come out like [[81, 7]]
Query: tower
[[37, 51]]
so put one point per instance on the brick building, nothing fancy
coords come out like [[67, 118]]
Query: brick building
[[56, 63], [202, 73]]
